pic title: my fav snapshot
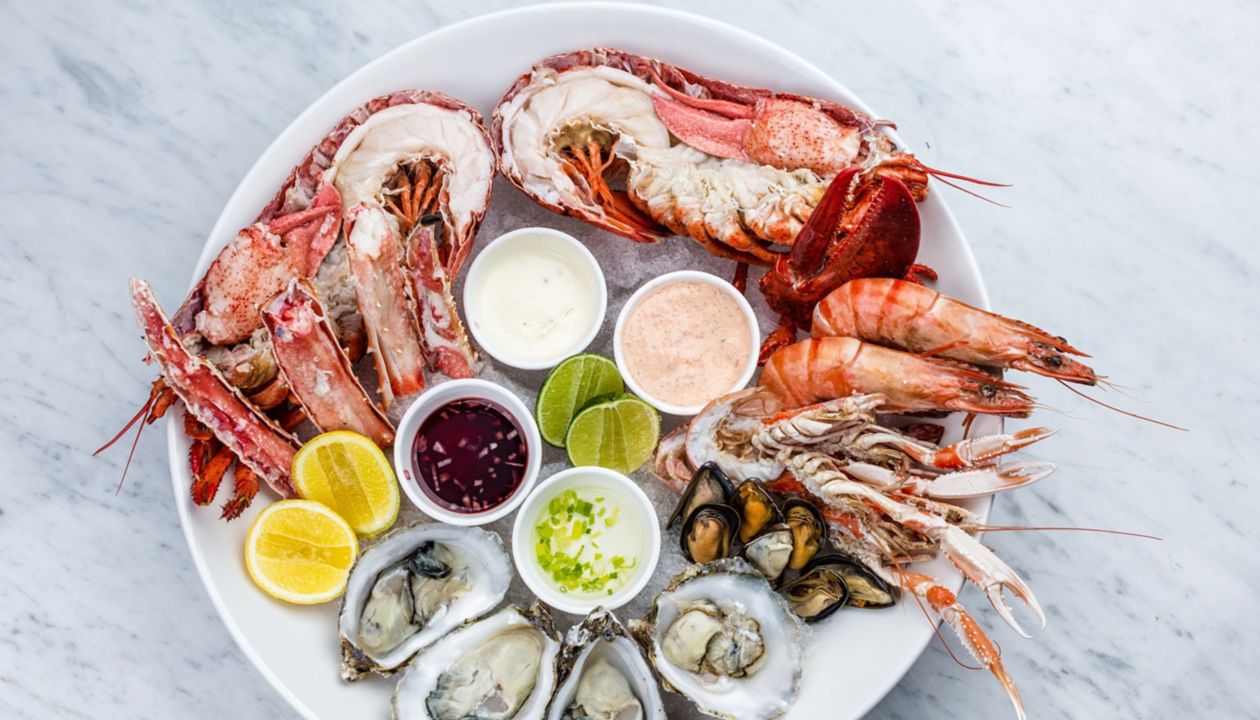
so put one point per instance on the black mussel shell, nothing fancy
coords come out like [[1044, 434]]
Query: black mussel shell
[[769, 552], [756, 509], [816, 594], [708, 485], [809, 531], [709, 533], [866, 590]]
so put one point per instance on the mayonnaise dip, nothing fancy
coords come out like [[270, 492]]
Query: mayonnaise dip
[[534, 297]]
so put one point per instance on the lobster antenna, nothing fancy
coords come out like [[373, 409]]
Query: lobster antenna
[[969, 191], [1122, 411], [945, 178]]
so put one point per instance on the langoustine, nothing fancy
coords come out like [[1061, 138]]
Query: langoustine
[[414, 162]]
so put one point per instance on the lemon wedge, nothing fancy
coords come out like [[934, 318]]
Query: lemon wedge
[[300, 552], [350, 474]]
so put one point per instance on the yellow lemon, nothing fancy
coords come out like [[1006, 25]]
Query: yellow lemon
[[348, 473], [300, 552]]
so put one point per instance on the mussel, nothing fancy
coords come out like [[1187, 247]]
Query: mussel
[[755, 507], [866, 590], [770, 551], [708, 485], [816, 594], [808, 530], [709, 533]]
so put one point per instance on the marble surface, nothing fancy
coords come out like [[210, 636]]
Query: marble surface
[[1129, 135]]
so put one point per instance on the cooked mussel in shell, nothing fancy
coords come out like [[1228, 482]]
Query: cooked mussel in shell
[[816, 594], [708, 486], [809, 531], [866, 590], [499, 668], [412, 587], [771, 551], [755, 507], [709, 533]]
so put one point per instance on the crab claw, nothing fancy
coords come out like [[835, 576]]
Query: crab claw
[[982, 481], [988, 572]]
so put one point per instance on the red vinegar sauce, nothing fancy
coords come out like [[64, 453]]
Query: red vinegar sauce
[[470, 456]]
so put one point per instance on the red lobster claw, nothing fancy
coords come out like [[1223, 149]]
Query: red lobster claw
[[866, 225]]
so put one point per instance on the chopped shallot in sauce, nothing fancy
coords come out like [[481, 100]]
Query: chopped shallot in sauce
[[470, 456]]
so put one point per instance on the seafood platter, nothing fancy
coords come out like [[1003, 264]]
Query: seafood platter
[[586, 383]]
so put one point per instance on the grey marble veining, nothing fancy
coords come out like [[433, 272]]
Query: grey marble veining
[[1128, 132]]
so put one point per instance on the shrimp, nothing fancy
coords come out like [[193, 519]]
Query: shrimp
[[915, 318], [819, 369]]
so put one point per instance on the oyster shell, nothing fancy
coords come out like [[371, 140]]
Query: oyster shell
[[501, 667], [721, 636], [412, 587], [603, 675]]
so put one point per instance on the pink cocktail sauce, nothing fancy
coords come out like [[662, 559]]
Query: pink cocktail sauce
[[686, 343]]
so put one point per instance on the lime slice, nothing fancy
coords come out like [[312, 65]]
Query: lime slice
[[569, 388], [619, 433]]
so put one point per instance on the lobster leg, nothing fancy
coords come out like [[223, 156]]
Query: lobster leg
[[943, 601], [250, 435]]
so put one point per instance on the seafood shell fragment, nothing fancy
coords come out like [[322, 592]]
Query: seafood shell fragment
[[501, 667], [603, 675], [721, 636], [412, 587]]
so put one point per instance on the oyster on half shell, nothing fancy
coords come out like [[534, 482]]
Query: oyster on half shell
[[603, 675], [721, 636], [501, 667], [412, 587]]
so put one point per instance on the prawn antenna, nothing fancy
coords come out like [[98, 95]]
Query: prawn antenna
[[1121, 410]]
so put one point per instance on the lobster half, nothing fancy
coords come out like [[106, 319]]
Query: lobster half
[[814, 191]]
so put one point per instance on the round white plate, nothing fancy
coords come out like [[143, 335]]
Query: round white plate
[[855, 657]]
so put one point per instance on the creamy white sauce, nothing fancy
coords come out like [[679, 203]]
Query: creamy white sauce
[[535, 301]]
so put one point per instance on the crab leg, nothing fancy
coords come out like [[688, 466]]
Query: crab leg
[[251, 436], [375, 257], [444, 342], [946, 605], [316, 370]]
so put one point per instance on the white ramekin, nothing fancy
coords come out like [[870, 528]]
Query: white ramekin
[[438, 396], [588, 476], [750, 364], [553, 240]]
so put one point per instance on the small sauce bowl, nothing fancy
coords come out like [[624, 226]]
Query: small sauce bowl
[[439, 396], [545, 241], [750, 318], [634, 507]]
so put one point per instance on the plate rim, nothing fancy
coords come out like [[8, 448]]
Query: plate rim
[[174, 421]]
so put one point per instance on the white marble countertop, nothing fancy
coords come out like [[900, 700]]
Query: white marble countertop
[[1129, 135]]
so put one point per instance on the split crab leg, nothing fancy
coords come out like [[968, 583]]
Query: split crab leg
[[389, 318], [446, 346], [257, 441], [317, 371]]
